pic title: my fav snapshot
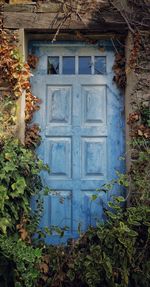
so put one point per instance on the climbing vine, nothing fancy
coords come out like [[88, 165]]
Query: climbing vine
[[15, 76], [19, 171], [119, 70]]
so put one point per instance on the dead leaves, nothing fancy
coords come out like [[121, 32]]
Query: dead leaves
[[16, 76], [21, 227], [138, 130], [32, 61], [44, 265], [143, 131], [32, 136], [32, 105], [12, 70], [119, 70], [135, 50], [133, 117], [44, 268]]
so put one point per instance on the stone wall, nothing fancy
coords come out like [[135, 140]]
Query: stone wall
[[137, 99]]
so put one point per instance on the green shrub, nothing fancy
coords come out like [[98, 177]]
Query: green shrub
[[21, 262], [19, 181], [111, 255]]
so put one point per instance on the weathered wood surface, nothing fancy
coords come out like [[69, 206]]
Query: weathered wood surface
[[49, 15], [19, 1], [32, 7], [30, 20]]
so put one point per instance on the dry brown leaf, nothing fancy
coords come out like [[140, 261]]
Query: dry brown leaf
[[140, 133], [44, 267]]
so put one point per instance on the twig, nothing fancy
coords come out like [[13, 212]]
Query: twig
[[114, 46], [124, 17], [60, 25]]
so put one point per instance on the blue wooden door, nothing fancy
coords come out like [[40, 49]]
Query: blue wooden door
[[81, 121]]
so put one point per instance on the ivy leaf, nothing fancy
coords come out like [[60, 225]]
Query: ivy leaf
[[4, 223], [146, 223], [18, 187], [120, 199], [94, 197], [9, 167], [3, 197]]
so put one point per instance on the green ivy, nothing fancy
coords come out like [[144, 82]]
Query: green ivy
[[111, 255], [24, 259], [19, 180]]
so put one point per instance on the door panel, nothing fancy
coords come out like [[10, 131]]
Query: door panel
[[91, 210], [59, 105], [81, 120], [94, 105], [58, 157], [94, 158]]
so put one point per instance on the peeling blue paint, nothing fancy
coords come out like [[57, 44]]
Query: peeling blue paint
[[82, 129]]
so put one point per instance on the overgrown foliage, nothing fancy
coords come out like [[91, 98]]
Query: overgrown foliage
[[19, 171], [15, 75], [19, 181], [119, 70], [7, 115], [114, 254], [18, 262]]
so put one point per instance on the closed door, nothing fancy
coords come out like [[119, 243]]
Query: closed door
[[81, 121]]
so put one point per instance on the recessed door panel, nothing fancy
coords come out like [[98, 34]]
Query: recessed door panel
[[94, 105], [92, 208], [58, 105], [61, 205], [58, 157], [94, 158]]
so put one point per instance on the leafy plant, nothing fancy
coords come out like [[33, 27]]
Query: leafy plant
[[110, 255], [23, 258], [15, 75], [19, 180]]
